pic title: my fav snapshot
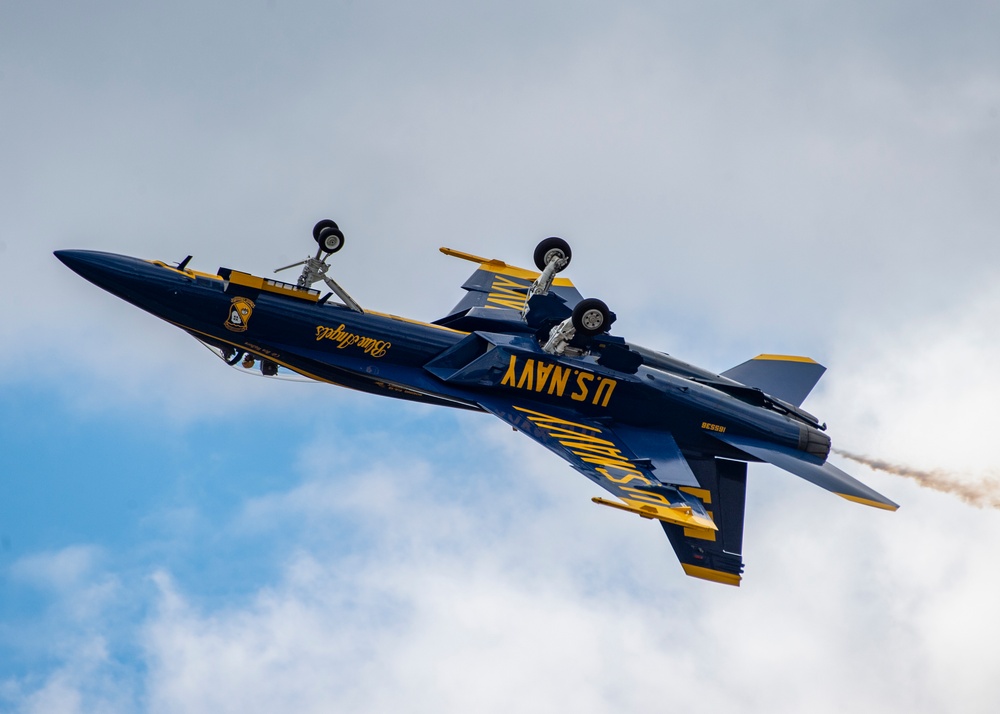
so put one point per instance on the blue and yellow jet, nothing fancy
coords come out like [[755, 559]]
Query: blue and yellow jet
[[668, 440]]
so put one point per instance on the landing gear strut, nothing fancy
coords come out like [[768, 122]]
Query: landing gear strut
[[330, 239], [590, 318], [552, 255]]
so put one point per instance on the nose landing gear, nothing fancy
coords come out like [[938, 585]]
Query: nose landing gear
[[328, 235], [330, 239]]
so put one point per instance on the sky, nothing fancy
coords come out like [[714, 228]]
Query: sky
[[811, 178]]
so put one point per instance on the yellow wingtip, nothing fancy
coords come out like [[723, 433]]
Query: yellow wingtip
[[716, 576], [786, 358], [869, 502]]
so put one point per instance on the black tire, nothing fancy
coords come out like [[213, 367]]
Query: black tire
[[325, 223], [545, 249], [268, 368], [331, 240], [592, 317], [329, 236]]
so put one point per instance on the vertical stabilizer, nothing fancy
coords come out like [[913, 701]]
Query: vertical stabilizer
[[786, 377], [714, 555]]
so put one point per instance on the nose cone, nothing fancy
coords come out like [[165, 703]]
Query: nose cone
[[93, 265], [138, 281]]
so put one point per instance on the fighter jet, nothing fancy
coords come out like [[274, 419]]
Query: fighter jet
[[668, 440]]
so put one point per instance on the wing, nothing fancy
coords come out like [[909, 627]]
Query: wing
[[699, 503], [496, 293]]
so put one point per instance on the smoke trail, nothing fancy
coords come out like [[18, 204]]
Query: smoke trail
[[981, 494]]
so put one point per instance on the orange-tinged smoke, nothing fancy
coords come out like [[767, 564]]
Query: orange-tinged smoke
[[982, 493]]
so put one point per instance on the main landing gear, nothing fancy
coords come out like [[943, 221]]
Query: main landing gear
[[552, 256], [330, 238], [591, 317]]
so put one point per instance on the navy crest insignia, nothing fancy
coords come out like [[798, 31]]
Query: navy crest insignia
[[239, 314]]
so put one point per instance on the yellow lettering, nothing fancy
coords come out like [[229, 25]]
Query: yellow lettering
[[538, 418], [511, 375], [507, 293], [610, 384], [527, 375], [583, 449], [629, 476], [560, 433], [648, 496], [544, 370], [511, 303], [370, 345], [582, 388], [500, 282], [607, 461], [703, 493], [560, 376]]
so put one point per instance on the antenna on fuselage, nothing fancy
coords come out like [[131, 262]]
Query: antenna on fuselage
[[331, 239]]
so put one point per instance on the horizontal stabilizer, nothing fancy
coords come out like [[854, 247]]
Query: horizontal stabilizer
[[825, 475], [783, 376]]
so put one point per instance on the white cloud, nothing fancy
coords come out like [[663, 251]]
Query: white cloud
[[494, 584], [72, 636], [452, 604], [920, 393]]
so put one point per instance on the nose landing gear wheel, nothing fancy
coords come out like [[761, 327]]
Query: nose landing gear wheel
[[328, 235], [592, 317]]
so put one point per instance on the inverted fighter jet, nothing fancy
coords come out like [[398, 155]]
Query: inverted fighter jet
[[668, 440]]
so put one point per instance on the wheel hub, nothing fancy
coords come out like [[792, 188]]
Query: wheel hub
[[554, 254], [592, 319]]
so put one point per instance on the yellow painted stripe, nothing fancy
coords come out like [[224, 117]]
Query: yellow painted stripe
[[310, 375], [271, 286], [867, 502], [187, 271], [261, 355], [703, 493], [716, 576], [246, 280], [699, 534], [516, 272], [786, 358]]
